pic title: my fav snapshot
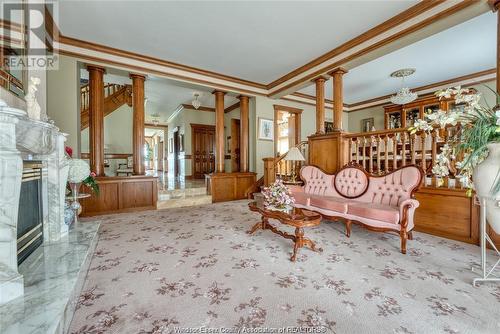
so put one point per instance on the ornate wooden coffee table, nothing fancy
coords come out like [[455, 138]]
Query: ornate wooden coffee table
[[297, 217]]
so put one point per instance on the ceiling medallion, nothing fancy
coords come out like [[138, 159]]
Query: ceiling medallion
[[404, 95], [196, 103]]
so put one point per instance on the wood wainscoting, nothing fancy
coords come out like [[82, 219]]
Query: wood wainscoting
[[122, 194], [225, 187]]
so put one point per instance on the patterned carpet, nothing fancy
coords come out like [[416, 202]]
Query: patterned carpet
[[163, 271]]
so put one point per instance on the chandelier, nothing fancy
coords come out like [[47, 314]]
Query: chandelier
[[156, 119], [196, 103], [404, 95]]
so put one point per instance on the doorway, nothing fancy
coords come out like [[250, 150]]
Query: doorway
[[287, 127], [203, 149]]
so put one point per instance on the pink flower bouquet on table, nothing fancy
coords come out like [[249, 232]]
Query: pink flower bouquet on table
[[277, 196]]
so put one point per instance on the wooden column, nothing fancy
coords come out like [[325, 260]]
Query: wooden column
[[219, 131], [138, 140], [96, 118], [338, 98], [320, 105], [244, 133]]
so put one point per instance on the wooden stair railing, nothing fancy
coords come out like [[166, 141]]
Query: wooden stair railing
[[278, 167], [115, 96], [383, 151]]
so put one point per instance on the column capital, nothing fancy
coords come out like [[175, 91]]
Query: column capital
[[92, 67], [218, 92], [338, 70], [242, 97], [137, 76], [323, 78], [494, 5]]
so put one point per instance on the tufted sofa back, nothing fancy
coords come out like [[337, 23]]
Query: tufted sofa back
[[317, 182], [351, 182], [393, 188]]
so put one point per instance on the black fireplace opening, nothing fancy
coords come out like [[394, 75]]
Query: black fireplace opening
[[30, 214]]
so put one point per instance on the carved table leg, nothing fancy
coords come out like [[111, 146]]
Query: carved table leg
[[262, 224], [299, 242]]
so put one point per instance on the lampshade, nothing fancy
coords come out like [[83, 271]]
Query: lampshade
[[294, 155]]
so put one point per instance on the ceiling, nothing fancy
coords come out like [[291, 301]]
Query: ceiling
[[461, 50], [253, 40], [164, 96]]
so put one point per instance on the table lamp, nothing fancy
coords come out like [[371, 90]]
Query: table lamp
[[294, 154]]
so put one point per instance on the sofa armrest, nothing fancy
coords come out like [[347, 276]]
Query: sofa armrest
[[406, 212]]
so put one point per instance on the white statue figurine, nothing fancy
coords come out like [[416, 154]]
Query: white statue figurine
[[33, 108]]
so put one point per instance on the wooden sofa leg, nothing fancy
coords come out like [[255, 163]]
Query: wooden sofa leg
[[404, 237], [348, 228], [410, 235]]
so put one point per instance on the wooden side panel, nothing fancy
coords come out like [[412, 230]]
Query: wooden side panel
[[324, 153], [229, 186], [122, 194], [447, 213]]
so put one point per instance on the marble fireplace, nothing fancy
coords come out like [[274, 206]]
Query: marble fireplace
[[23, 139]]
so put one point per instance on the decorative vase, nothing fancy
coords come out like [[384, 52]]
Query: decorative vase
[[484, 177]]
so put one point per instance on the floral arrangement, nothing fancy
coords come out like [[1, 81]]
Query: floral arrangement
[[480, 126], [79, 172], [277, 195]]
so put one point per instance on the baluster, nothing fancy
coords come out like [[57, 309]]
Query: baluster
[[413, 142], [403, 148], [433, 155], [378, 154], [386, 153], [395, 153], [370, 152], [357, 149], [363, 153], [350, 150], [423, 162], [445, 140]]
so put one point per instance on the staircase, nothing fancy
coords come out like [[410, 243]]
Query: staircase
[[115, 96], [279, 168]]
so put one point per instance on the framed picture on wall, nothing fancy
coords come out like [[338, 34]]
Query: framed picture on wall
[[367, 124], [266, 129], [328, 127]]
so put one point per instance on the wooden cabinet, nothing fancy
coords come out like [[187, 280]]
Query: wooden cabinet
[[402, 116]]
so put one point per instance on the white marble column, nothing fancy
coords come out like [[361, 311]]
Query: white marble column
[[57, 172], [11, 167]]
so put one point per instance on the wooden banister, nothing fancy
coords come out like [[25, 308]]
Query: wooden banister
[[115, 96], [386, 150]]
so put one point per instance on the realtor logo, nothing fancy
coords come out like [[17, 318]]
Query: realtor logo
[[27, 34]]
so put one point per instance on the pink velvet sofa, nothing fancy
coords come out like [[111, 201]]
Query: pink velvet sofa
[[378, 203]]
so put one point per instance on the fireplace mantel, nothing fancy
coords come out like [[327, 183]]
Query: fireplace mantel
[[24, 139]]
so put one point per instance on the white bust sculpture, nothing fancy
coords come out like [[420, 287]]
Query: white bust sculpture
[[33, 108]]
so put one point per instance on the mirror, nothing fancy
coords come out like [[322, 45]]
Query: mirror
[[13, 41]]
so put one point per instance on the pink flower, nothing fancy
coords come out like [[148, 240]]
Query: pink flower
[[93, 174]]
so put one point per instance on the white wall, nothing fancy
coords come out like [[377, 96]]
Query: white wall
[[264, 108], [63, 100], [117, 132]]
